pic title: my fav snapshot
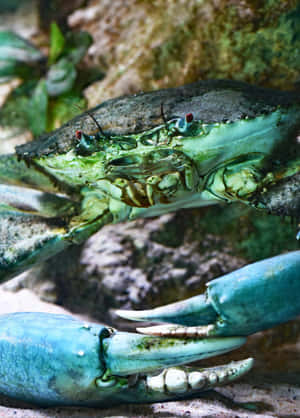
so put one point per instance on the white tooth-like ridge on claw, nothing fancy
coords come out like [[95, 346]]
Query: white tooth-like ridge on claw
[[222, 375], [176, 381], [156, 383], [177, 331], [212, 378], [196, 380]]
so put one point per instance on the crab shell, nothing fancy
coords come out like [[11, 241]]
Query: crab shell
[[212, 101]]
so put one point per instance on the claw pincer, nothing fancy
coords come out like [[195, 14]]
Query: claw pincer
[[253, 298], [58, 360]]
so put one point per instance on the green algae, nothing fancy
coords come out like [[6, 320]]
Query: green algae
[[253, 41], [249, 47]]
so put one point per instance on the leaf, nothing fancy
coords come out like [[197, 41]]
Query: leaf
[[64, 108], [14, 47], [61, 77], [14, 112], [77, 45], [57, 43], [37, 111], [8, 69]]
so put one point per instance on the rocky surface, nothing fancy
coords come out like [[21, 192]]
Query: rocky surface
[[144, 45], [135, 265], [151, 262], [21, 17]]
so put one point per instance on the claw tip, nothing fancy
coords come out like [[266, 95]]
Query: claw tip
[[131, 315]]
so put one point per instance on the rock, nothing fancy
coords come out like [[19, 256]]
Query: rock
[[134, 265], [21, 17], [151, 262], [12, 137], [149, 45]]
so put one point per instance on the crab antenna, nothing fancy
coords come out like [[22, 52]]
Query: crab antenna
[[163, 114], [97, 124]]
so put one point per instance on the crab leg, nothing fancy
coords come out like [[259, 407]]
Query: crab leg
[[37, 224], [57, 360], [253, 298]]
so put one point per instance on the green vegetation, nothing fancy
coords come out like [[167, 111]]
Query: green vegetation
[[257, 42], [51, 91], [253, 234]]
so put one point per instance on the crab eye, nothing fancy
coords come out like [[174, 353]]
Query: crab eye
[[189, 117], [87, 144], [183, 123]]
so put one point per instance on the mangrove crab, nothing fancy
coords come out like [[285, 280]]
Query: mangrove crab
[[140, 156]]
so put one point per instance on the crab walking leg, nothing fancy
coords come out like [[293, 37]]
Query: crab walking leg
[[18, 173], [36, 225], [51, 360], [253, 298]]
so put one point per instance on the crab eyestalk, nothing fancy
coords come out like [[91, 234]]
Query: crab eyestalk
[[57, 360], [251, 299]]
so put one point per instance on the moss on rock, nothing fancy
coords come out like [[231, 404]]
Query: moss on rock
[[148, 45]]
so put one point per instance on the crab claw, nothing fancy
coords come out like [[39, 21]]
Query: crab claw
[[251, 299], [57, 360], [184, 382], [128, 353], [144, 366]]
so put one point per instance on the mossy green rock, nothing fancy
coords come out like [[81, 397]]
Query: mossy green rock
[[169, 43]]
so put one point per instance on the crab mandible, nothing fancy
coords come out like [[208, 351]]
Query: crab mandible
[[135, 157]]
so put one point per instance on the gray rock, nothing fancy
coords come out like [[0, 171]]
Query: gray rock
[[135, 265]]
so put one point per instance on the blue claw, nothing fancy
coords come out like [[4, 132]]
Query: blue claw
[[57, 360], [251, 299]]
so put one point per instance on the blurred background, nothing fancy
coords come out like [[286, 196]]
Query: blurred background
[[58, 59]]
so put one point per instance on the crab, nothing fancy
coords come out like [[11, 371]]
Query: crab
[[141, 156]]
